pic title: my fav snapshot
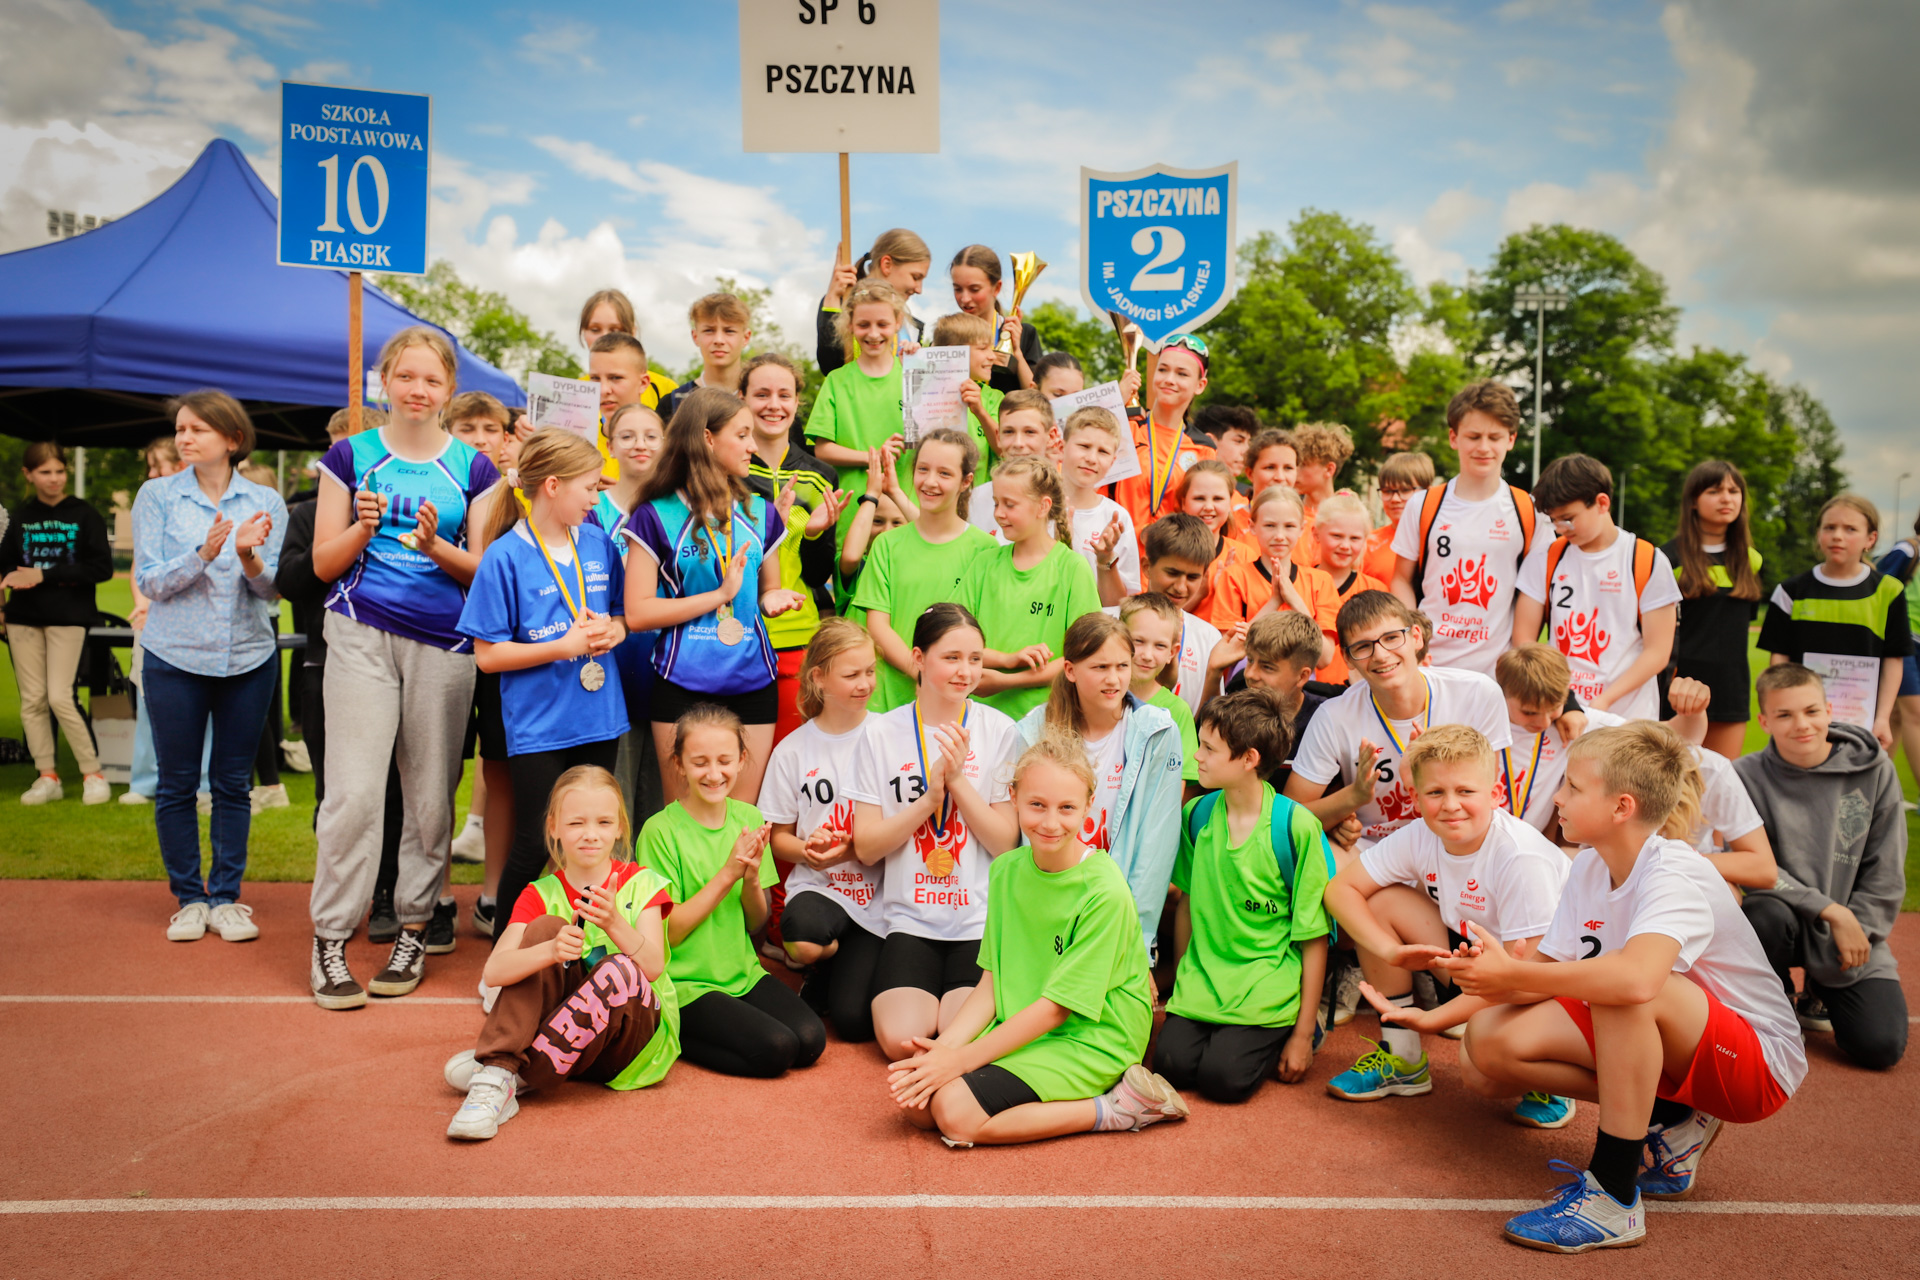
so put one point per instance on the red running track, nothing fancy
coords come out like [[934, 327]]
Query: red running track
[[132, 1103]]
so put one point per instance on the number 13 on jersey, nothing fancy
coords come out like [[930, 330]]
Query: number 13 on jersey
[[1157, 245]]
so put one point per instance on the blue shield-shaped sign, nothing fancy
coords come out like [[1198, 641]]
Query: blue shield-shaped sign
[[1157, 245]]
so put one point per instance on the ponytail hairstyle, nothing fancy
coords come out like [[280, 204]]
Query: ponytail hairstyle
[[899, 244], [982, 259], [1088, 635], [866, 293], [1696, 570], [585, 777], [1063, 751], [686, 466], [549, 453], [969, 460], [835, 637], [1043, 482], [613, 420]]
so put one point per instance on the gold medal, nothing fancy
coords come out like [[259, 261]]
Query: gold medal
[[592, 676], [730, 631]]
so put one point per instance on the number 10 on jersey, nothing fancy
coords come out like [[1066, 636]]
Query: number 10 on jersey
[[1157, 245]]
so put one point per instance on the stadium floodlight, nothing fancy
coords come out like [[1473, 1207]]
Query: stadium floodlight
[[1539, 301]]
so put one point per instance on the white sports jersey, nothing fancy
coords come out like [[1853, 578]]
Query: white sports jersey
[[807, 778], [936, 882], [1509, 887], [1674, 892], [1474, 553], [1109, 759], [1331, 744], [1725, 806], [1594, 619]]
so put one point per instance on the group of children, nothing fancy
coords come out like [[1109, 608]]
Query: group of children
[[976, 741]]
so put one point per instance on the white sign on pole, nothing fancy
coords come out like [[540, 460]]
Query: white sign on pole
[[1104, 395], [840, 75], [572, 404], [931, 380]]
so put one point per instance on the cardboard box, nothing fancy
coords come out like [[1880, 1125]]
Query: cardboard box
[[113, 722]]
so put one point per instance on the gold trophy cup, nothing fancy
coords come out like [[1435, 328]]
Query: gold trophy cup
[[1026, 269], [1131, 340]]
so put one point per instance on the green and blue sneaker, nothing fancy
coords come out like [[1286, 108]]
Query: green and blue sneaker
[[1540, 1110], [1581, 1216], [1673, 1156], [1379, 1074]]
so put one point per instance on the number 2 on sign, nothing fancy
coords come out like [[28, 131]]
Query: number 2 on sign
[[1172, 244]]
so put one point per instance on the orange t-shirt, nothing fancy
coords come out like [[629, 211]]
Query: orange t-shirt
[[1224, 599], [1358, 580], [1306, 551], [1377, 561], [1135, 493]]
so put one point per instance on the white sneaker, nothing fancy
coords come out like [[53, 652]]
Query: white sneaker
[[294, 752], [94, 789], [471, 844], [459, 1073], [44, 788], [271, 797], [1143, 1098], [233, 922], [189, 923], [490, 1103], [134, 797]]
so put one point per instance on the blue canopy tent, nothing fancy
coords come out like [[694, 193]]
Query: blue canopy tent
[[183, 293]]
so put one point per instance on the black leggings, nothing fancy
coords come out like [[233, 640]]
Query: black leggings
[[1223, 1063], [848, 974], [1869, 1017], [533, 777], [266, 756], [759, 1034]]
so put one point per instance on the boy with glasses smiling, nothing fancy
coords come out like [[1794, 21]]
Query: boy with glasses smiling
[[1350, 759]]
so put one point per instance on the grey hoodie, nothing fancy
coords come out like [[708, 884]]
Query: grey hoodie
[[1839, 835]]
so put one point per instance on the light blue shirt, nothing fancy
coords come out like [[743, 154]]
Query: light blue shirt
[[210, 619]]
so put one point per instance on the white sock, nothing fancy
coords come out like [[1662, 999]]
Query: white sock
[[474, 823], [1108, 1118], [1402, 1042]]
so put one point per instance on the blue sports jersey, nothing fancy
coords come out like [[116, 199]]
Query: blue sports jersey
[[514, 597], [691, 654], [390, 587], [607, 515]]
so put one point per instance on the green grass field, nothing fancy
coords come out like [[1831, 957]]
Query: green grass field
[[66, 841]]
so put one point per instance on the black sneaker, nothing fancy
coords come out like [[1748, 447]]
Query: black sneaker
[[813, 988], [483, 917], [383, 925], [1812, 1013], [439, 938], [333, 984], [406, 966]]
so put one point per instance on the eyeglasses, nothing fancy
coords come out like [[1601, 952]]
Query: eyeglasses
[[1395, 490], [1391, 641]]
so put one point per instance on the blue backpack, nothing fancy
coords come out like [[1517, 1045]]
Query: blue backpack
[[1200, 812]]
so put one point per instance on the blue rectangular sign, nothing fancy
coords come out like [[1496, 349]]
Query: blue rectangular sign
[[1157, 245], [353, 178]]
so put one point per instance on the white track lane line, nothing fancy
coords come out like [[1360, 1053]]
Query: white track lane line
[[374, 1002], [1264, 1204]]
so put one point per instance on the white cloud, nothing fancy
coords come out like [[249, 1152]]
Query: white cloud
[[1421, 245], [561, 44], [1405, 51]]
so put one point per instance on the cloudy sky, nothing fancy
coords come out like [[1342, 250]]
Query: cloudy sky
[[1759, 153]]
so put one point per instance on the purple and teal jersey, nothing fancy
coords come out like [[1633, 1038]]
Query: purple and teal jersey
[[691, 654], [391, 587]]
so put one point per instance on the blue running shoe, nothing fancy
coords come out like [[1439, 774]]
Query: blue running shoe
[[1673, 1156], [1379, 1074], [1579, 1218], [1544, 1111]]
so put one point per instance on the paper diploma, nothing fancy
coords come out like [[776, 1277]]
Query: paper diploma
[[571, 404], [931, 380], [1105, 395], [1853, 685]]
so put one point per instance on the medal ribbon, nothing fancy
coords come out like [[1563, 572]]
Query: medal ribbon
[[578, 576], [920, 745], [1425, 719], [1157, 482], [727, 559], [1533, 771]]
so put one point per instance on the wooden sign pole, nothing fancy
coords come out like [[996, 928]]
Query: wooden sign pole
[[356, 356], [846, 214]]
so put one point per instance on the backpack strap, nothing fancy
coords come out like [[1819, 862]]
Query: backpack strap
[[1280, 835], [1555, 554], [1430, 503], [1523, 505], [1199, 813], [1642, 573]]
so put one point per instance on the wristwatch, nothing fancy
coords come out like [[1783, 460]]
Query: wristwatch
[[868, 497]]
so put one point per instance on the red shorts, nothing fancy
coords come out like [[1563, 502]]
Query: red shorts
[[788, 718], [1728, 1077]]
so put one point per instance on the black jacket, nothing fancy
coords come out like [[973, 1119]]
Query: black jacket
[[295, 580], [68, 543]]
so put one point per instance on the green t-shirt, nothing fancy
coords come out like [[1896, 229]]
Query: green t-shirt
[[812, 480], [903, 574], [1243, 966], [1175, 706], [1021, 607], [1072, 937], [858, 412], [990, 398], [717, 955]]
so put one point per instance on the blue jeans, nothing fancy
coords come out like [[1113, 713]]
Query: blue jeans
[[146, 769], [182, 705]]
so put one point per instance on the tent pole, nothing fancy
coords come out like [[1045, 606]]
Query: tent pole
[[80, 472], [356, 376]]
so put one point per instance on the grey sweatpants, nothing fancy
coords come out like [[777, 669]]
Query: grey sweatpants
[[387, 697]]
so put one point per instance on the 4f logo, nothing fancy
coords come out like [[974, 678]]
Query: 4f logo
[[1469, 583], [1580, 636]]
